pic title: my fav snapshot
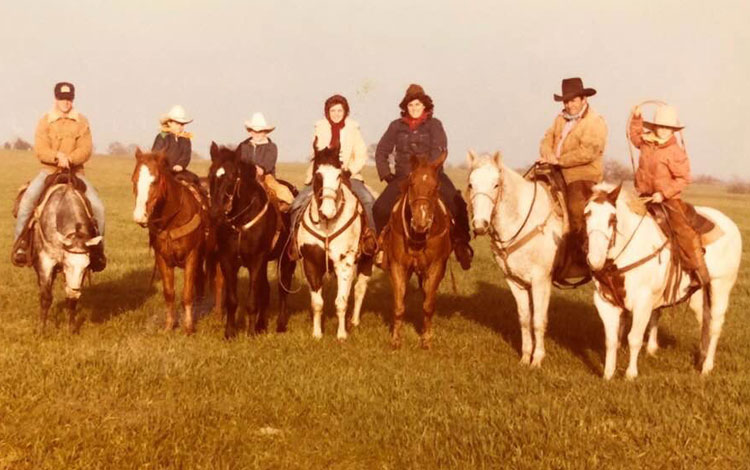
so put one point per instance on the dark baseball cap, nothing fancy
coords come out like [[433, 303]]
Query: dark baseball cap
[[65, 91]]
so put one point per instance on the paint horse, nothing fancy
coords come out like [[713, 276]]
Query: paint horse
[[63, 233], [250, 231], [417, 240], [179, 231], [525, 231], [631, 260], [328, 239]]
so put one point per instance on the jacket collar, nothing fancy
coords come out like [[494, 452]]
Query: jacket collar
[[653, 139], [54, 115]]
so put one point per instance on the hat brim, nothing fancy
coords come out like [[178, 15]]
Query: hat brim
[[585, 92], [251, 127], [652, 125], [166, 118]]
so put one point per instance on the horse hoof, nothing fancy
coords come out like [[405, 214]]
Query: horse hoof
[[281, 329], [629, 375], [525, 360], [318, 336], [189, 331], [396, 344]]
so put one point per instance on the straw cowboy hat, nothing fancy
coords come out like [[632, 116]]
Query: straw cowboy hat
[[177, 114], [258, 123], [664, 116], [573, 87]]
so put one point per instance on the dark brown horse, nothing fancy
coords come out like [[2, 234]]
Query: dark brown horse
[[179, 231], [250, 232], [417, 240]]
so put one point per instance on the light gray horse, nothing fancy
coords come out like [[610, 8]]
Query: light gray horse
[[63, 234]]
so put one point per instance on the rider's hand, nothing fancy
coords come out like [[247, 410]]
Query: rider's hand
[[260, 171], [657, 197], [177, 168], [637, 111], [62, 160]]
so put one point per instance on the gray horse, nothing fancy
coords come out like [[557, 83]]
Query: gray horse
[[63, 235]]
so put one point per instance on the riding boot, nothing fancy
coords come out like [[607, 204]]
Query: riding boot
[[97, 259], [460, 234], [380, 259], [368, 241], [20, 255]]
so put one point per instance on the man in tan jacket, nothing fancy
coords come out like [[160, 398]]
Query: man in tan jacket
[[62, 141], [575, 144]]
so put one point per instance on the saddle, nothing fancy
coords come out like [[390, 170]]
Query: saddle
[[705, 227], [51, 180]]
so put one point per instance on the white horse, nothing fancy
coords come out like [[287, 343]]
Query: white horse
[[328, 238], [525, 232], [637, 259]]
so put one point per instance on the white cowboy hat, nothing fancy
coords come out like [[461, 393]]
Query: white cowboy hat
[[665, 116], [258, 123], [177, 114]]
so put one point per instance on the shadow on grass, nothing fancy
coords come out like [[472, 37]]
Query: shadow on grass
[[114, 297], [573, 324]]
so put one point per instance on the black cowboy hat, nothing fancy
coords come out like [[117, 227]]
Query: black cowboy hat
[[65, 91], [572, 87]]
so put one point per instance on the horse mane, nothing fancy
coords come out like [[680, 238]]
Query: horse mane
[[326, 156]]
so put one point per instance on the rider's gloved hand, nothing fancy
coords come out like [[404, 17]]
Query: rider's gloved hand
[[177, 168], [62, 160], [657, 197]]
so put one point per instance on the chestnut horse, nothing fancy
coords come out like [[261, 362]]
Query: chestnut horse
[[417, 240], [250, 232], [179, 230]]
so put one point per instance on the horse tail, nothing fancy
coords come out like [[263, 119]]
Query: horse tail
[[706, 322]]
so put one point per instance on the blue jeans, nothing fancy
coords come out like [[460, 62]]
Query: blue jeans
[[358, 188], [34, 192]]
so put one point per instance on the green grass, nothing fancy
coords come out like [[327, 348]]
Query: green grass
[[123, 394]]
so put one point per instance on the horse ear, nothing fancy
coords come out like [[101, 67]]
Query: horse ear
[[94, 241], [470, 157], [612, 196], [498, 159], [214, 151], [440, 160], [315, 146], [138, 154]]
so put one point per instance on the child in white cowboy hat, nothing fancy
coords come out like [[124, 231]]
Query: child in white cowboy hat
[[663, 173], [173, 140], [259, 150]]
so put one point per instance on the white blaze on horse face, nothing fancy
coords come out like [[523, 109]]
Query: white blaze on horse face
[[74, 267], [599, 232], [220, 172], [485, 183], [331, 177], [145, 180]]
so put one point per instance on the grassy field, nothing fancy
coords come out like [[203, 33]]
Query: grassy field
[[123, 394]]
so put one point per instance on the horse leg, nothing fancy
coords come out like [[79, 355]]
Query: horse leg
[[523, 297], [286, 273], [429, 288], [641, 315], [316, 303], [652, 346], [360, 288], [610, 316], [344, 277], [46, 279], [719, 303], [167, 279], [70, 305], [229, 270], [218, 293], [540, 294], [189, 287], [399, 282], [258, 298]]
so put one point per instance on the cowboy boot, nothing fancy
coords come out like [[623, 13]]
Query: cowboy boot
[[97, 260], [367, 242], [460, 235], [20, 253], [380, 259]]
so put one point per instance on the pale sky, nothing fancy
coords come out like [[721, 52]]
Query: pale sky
[[491, 68]]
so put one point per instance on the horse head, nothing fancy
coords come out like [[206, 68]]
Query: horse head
[[149, 183], [223, 179], [328, 176], [485, 188], [422, 190], [601, 224]]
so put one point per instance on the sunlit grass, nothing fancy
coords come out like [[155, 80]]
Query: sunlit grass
[[123, 394]]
